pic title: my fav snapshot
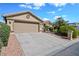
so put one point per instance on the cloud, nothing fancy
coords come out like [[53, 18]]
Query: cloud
[[58, 4], [22, 5], [26, 6], [64, 16], [30, 7], [60, 9], [38, 5], [72, 3], [35, 6], [45, 19], [57, 17], [51, 12]]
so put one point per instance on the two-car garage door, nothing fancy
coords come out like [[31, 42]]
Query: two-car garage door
[[25, 27]]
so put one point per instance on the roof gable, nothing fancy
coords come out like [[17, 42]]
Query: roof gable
[[22, 16]]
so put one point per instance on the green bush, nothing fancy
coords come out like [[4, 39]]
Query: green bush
[[51, 29], [75, 34], [4, 33], [78, 32], [64, 30], [72, 28], [46, 28]]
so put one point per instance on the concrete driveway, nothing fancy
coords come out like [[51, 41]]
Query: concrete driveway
[[41, 44]]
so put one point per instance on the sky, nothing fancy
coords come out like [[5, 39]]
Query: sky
[[45, 11]]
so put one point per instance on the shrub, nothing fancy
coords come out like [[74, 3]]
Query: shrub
[[78, 32], [4, 33], [46, 28], [51, 29], [75, 34], [64, 30]]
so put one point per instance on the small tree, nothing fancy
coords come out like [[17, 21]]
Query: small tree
[[60, 22], [46, 28]]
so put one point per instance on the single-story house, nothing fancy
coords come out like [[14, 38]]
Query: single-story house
[[75, 24], [23, 22], [78, 27], [47, 23]]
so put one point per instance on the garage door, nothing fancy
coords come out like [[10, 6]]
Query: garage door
[[25, 27]]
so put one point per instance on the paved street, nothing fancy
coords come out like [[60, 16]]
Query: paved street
[[41, 44], [70, 51]]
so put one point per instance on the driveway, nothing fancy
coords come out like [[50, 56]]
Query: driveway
[[41, 44]]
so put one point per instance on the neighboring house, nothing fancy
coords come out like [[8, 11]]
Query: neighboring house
[[78, 27], [47, 23], [75, 24], [72, 24], [23, 22], [48, 27]]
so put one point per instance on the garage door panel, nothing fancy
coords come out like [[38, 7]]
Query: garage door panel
[[25, 27]]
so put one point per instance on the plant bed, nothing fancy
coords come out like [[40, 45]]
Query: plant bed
[[4, 33]]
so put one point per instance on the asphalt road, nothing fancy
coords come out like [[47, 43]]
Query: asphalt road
[[70, 51]]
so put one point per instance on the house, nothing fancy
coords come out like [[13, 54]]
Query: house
[[72, 24], [47, 23], [75, 24], [48, 27], [77, 27], [23, 22]]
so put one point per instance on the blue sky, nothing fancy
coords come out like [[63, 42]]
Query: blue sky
[[46, 11]]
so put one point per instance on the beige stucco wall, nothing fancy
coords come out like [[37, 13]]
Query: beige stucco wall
[[23, 17], [41, 27], [10, 24]]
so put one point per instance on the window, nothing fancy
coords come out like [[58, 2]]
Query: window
[[28, 16]]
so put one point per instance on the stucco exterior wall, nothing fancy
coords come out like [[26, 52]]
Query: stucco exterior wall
[[24, 18], [11, 24]]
